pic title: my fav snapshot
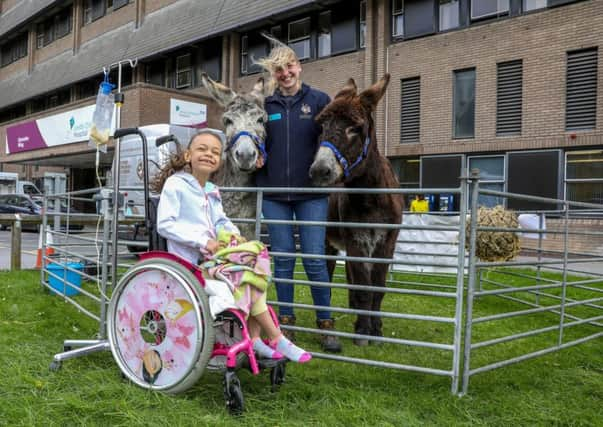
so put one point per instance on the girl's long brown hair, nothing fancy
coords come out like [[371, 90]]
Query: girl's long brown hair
[[175, 163]]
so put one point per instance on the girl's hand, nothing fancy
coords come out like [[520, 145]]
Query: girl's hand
[[212, 246]]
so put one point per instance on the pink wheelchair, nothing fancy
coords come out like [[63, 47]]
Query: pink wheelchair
[[159, 325]]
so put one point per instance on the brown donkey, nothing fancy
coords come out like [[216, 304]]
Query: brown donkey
[[349, 155]]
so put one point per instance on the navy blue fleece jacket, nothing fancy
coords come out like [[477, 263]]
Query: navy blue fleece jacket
[[292, 141]]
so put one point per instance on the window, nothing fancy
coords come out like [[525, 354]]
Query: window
[[209, 59], [464, 103], [410, 111], [53, 28], [276, 31], [488, 8], [95, 9], [398, 18], [299, 38], [535, 173], [491, 176], [408, 171], [14, 50], [184, 71], [533, 5], [363, 24], [584, 176], [419, 18], [509, 87], [581, 90], [244, 54], [344, 29], [449, 14], [253, 45], [86, 89], [324, 34], [119, 3]]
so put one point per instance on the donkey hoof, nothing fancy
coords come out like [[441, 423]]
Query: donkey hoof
[[361, 342]]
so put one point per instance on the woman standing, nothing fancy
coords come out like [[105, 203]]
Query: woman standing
[[291, 144]]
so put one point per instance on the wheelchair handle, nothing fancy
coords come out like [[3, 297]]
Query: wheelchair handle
[[120, 133], [165, 139]]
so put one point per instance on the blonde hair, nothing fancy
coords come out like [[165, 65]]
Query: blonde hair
[[280, 55]]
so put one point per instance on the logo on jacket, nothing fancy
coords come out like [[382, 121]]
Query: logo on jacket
[[305, 108]]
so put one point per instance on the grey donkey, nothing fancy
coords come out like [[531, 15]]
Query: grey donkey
[[243, 119]]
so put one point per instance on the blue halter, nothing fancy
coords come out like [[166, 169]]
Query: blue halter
[[258, 142], [342, 161]]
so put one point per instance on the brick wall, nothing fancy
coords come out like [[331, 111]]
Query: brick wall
[[585, 243], [540, 39], [53, 49], [110, 21]]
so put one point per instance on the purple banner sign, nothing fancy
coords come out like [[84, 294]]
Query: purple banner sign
[[24, 137]]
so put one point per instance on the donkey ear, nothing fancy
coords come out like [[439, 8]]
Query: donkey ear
[[371, 96], [221, 93], [350, 89], [258, 90]]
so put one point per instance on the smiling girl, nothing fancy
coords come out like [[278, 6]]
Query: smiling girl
[[190, 215]]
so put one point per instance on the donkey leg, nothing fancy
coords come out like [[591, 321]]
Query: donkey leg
[[360, 300], [330, 250], [378, 275]]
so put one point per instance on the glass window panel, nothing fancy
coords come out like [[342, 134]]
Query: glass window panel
[[488, 200], [363, 11], [483, 8], [464, 104], [397, 6], [533, 4], [449, 14], [324, 34], [276, 32], [301, 48], [490, 168], [398, 26], [588, 192], [362, 34], [299, 29], [584, 165]]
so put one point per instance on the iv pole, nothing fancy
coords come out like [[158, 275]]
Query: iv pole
[[76, 348]]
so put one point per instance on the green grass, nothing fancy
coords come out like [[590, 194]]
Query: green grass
[[564, 388]]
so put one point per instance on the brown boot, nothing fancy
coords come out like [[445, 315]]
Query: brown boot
[[287, 320], [329, 343]]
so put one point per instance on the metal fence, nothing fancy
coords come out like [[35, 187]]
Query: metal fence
[[426, 329]]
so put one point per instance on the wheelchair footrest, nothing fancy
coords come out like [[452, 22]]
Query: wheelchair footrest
[[271, 363]]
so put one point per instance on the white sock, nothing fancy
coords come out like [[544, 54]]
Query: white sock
[[264, 351]]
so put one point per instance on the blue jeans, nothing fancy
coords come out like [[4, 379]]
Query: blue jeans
[[312, 240]]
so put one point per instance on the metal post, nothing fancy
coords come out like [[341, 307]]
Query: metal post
[[258, 214], [538, 268], [116, 163], [460, 285], [472, 277], [43, 231], [104, 273], [564, 280]]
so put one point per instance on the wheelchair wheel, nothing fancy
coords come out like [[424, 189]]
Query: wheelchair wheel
[[159, 326]]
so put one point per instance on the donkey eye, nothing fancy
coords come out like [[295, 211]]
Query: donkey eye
[[353, 131]]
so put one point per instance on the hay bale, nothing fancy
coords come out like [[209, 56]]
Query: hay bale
[[495, 245]]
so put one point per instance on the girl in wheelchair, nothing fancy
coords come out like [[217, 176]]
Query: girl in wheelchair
[[191, 217]]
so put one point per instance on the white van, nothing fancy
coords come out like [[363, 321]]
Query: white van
[[131, 176]]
